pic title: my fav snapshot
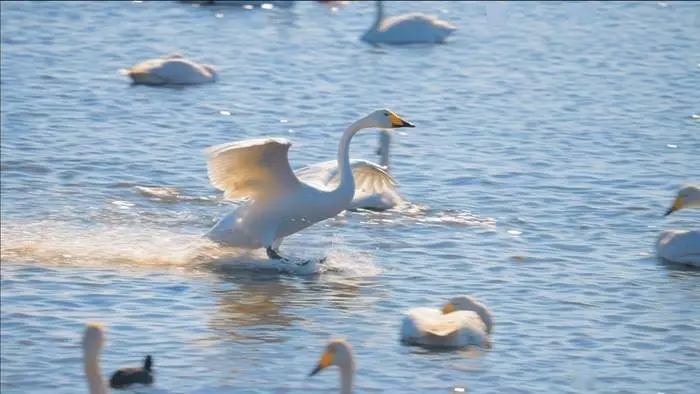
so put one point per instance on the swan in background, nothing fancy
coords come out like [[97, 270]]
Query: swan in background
[[463, 321], [371, 192], [93, 340], [171, 70], [681, 246], [279, 204], [413, 28], [338, 352]]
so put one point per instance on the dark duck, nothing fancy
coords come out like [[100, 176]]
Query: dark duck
[[125, 377]]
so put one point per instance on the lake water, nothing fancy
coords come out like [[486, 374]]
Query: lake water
[[550, 138]]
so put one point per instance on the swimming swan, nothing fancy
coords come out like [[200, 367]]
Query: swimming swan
[[93, 340], [371, 192], [462, 322], [681, 246], [279, 203], [172, 69], [338, 352], [413, 28]]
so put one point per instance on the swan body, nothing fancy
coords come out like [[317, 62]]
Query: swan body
[[171, 70], [279, 203], [375, 188], [464, 321], [339, 353], [413, 28], [676, 245]]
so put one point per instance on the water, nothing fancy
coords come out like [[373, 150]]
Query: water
[[550, 139]]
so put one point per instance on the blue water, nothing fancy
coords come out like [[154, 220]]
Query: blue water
[[550, 139]]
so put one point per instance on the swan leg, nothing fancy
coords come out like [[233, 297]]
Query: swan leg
[[274, 255]]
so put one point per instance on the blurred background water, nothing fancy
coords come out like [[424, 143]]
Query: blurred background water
[[550, 139]]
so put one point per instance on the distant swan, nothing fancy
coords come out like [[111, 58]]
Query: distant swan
[[172, 69], [413, 28], [93, 340], [681, 246], [338, 352], [371, 192], [280, 204], [464, 321]]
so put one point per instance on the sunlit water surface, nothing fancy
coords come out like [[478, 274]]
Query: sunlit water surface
[[550, 139]]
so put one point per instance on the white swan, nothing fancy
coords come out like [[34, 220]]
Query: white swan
[[371, 192], [93, 340], [172, 69], [462, 322], [413, 28], [338, 352], [681, 246], [279, 203]]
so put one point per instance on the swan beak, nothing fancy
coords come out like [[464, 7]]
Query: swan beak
[[397, 122], [326, 361], [448, 309], [678, 204]]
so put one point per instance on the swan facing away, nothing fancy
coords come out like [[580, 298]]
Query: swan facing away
[[676, 245], [413, 28], [279, 203], [463, 321], [171, 70], [371, 192], [338, 352], [93, 340]]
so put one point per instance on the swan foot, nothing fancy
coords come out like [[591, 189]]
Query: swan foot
[[274, 255]]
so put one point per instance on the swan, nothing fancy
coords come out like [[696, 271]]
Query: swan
[[681, 246], [338, 352], [369, 194], [171, 69], [413, 28], [462, 322], [93, 340], [280, 204]]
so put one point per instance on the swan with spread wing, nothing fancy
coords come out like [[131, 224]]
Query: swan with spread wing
[[278, 202], [377, 193]]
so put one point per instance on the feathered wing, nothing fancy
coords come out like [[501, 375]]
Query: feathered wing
[[369, 178], [257, 168]]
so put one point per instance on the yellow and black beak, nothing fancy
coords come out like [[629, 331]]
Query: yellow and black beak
[[678, 204], [397, 122], [326, 361], [448, 309]]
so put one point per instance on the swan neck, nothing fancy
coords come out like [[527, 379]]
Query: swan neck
[[384, 142], [93, 372], [347, 373], [380, 13], [346, 179]]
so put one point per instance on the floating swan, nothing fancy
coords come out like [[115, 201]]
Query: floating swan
[[171, 70], [279, 203], [681, 246], [338, 352], [371, 192], [464, 321], [93, 340], [413, 28]]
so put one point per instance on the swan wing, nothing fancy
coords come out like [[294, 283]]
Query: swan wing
[[369, 178], [256, 168]]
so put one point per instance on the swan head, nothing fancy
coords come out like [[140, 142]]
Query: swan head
[[337, 352], [93, 337], [688, 197], [385, 119], [469, 303]]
